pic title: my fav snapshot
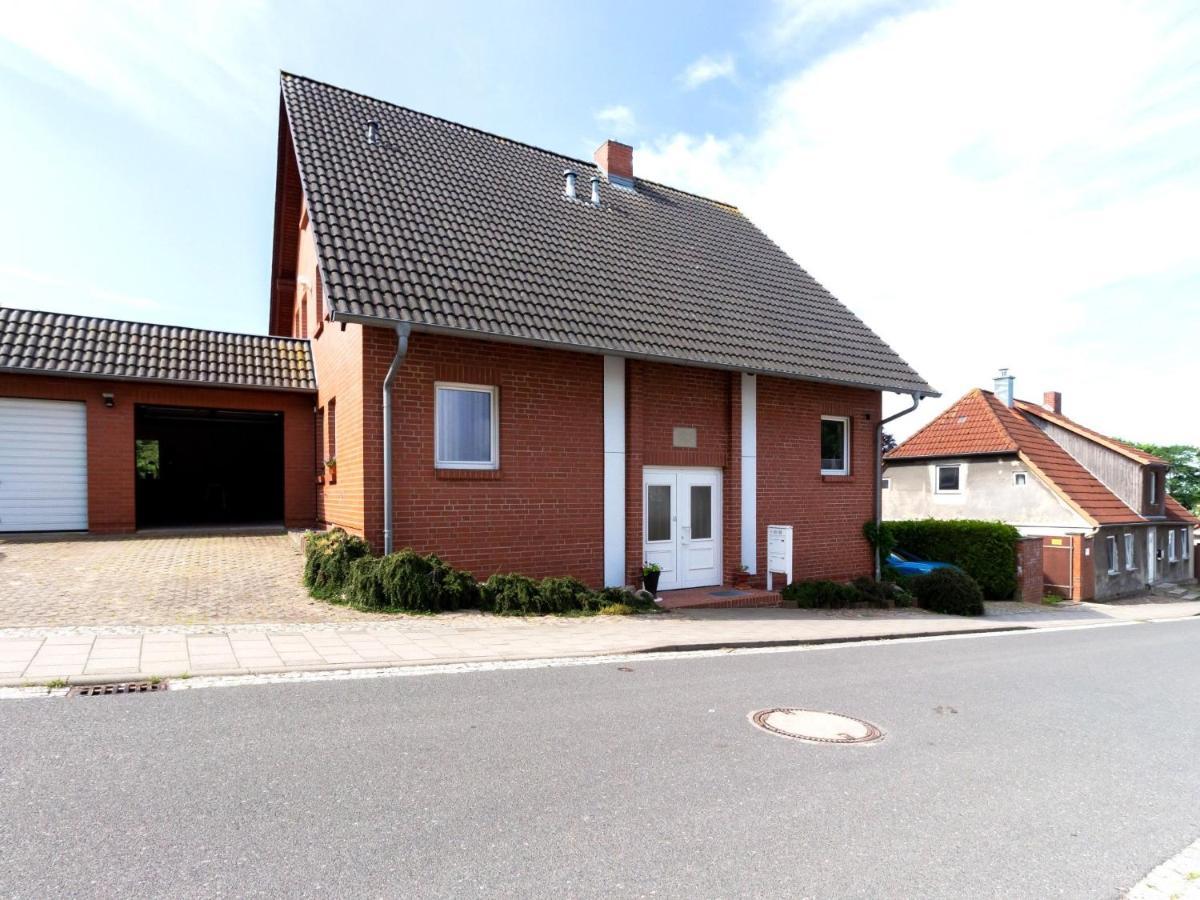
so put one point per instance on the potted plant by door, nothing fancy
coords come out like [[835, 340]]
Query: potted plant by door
[[650, 573], [331, 465]]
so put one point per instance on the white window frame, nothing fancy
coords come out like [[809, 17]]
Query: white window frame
[[1185, 549], [1153, 488], [1172, 550], [937, 477], [1114, 555], [1130, 552], [490, 389], [1020, 479], [885, 484], [845, 470]]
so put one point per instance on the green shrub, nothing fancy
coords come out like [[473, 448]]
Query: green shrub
[[987, 551], [567, 594], [948, 591], [513, 595], [408, 582], [328, 556], [821, 595]]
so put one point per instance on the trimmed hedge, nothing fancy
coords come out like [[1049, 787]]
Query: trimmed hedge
[[328, 557], [835, 595], [948, 591], [987, 551], [338, 567]]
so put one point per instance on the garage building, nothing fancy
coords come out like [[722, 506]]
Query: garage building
[[111, 426]]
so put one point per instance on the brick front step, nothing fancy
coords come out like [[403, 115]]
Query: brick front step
[[720, 598]]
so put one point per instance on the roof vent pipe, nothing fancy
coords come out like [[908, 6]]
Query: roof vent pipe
[[1004, 387], [595, 190], [373, 131], [569, 188]]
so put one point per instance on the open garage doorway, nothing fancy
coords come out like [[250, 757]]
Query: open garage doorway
[[207, 466]]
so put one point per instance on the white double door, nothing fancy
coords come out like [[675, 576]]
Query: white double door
[[681, 525]]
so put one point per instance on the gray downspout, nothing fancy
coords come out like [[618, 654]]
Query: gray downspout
[[402, 332], [916, 401]]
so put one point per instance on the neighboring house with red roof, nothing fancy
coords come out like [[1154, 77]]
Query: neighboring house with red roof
[[1108, 526], [521, 361]]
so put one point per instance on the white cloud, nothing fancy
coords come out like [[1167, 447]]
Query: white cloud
[[161, 62], [619, 119], [706, 69], [1002, 184]]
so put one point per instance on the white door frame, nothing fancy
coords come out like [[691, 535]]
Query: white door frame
[[687, 561]]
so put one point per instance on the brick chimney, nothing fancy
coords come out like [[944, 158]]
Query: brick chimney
[[616, 162], [1052, 400]]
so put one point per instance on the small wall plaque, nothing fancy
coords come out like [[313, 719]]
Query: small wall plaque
[[684, 437]]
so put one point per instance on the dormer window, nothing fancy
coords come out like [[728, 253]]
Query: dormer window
[[1153, 488]]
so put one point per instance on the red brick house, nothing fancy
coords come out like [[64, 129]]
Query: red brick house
[[1107, 524], [570, 368]]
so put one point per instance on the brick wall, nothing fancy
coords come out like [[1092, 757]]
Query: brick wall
[[110, 435], [541, 513], [1030, 578], [826, 512]]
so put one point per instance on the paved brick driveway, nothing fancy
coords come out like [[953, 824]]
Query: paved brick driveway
[[142, 580]]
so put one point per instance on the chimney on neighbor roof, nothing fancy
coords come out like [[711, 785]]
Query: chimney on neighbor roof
[[1004, 387], [616, 162], [1052, 400], [569, 188], [595, 190]]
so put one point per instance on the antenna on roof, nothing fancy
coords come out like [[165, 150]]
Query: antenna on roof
[[373, 131], [595, 190]]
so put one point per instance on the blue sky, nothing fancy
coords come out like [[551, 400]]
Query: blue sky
[[987, 184]]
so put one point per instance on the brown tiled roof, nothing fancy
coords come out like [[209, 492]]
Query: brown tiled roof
[[1139, 456], [1177, 512], [979, 423], [59, 344], [450, 228]]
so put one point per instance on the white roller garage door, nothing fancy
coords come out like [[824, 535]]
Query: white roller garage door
[[43, 465]]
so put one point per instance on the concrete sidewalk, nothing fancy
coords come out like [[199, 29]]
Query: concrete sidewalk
[[117, 653]]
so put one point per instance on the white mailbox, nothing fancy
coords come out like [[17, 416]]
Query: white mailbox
[[779, 552]]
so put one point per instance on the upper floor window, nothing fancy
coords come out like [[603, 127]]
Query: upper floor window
[[1130, 563], [835, 445], [885, 484], [467, 427], [1114, 558], [949, 479], [1019, 479], [1153, 490]]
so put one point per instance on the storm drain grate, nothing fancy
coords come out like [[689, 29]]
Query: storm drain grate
[[815, 727], [111, 690]]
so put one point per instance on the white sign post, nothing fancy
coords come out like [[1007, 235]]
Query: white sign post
[[779, 552]]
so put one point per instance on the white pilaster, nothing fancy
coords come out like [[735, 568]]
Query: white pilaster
[[614, 471], [750, 473]]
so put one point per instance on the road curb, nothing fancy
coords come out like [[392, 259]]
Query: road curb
[[238, 671]]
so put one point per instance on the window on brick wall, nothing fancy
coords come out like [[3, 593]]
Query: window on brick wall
[[331, 439], [467, 426], [1130, 556], [835, 445], [319, 433], [1114, 556], [304, 313]]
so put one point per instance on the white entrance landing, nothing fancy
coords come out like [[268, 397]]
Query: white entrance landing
[[681, 525]]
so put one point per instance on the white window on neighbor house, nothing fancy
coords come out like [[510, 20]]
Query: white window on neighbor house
[[467, 426], [1153, 488], [835, 445], [1185, 546], [948, 479], [1114, 558], [1130, 561], [1172, 553], [885, 484], [1020, 479]]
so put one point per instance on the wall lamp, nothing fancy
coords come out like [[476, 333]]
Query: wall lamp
[[109, 400]]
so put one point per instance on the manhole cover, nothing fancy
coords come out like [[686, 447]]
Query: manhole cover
[[818, 727]]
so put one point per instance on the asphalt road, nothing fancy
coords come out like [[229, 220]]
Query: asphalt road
[[1031, 765]]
